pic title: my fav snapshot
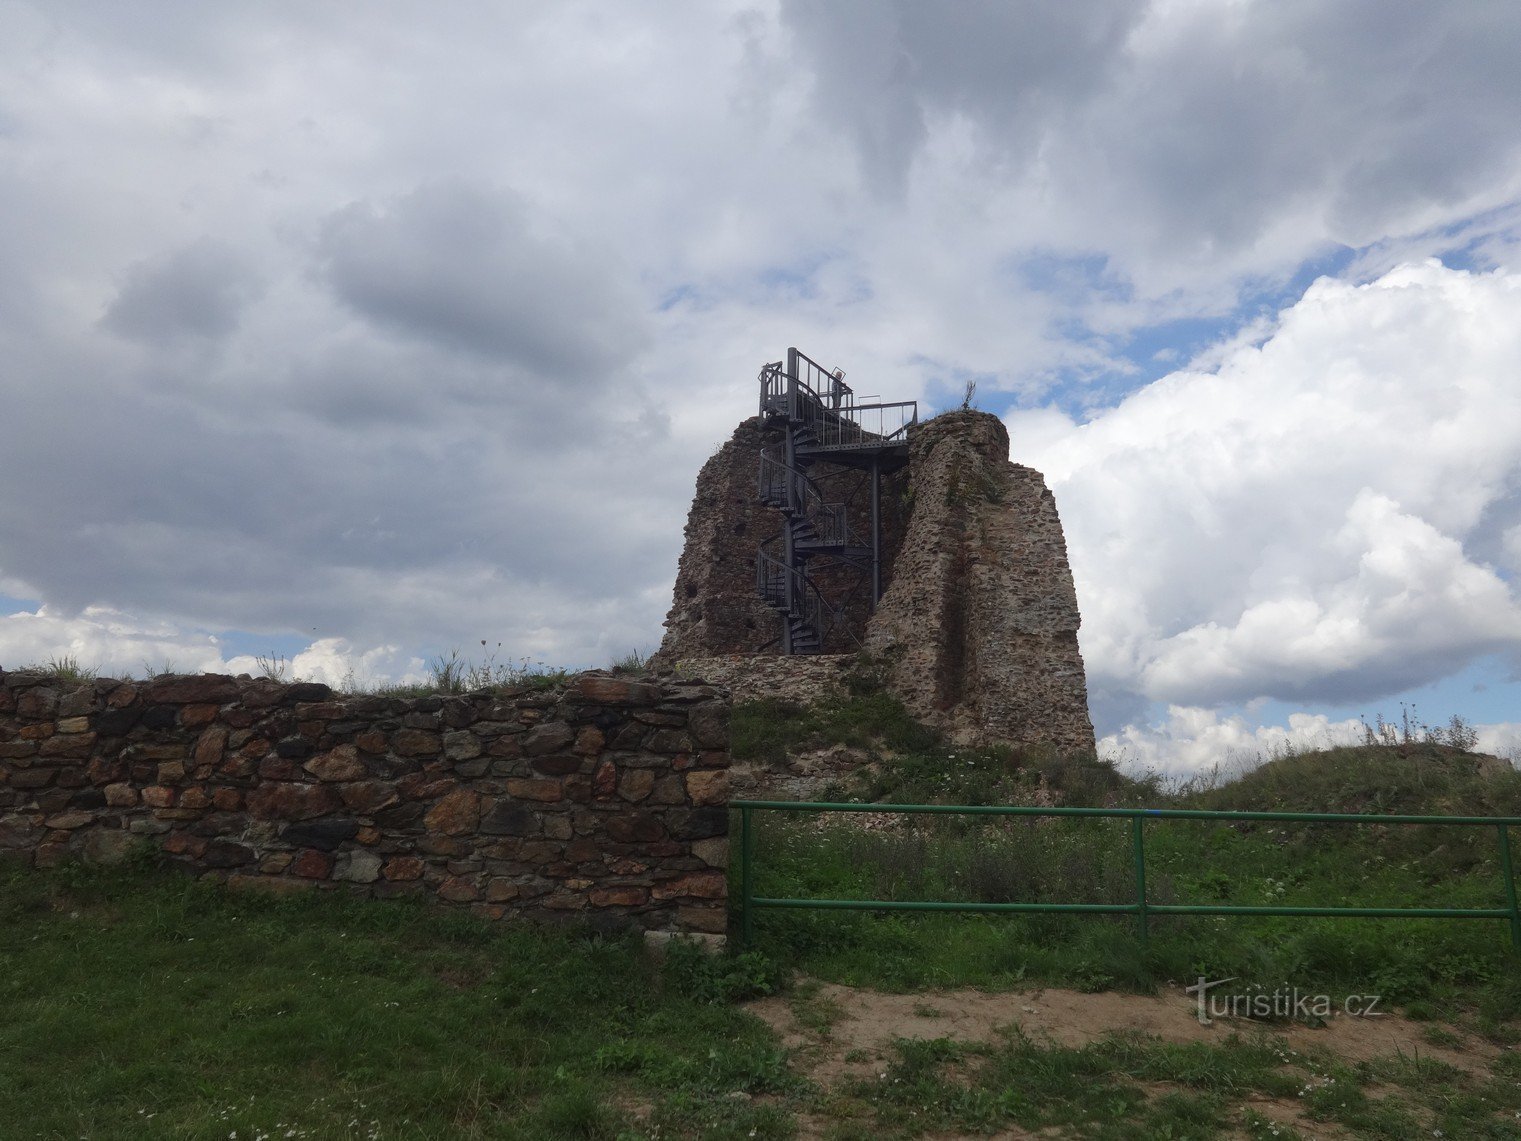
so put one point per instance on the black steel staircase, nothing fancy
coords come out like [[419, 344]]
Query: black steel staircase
[[823, 423]]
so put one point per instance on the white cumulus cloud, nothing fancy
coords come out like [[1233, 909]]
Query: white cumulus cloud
[[1328, 514]]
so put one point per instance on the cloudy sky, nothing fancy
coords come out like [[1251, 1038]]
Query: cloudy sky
[[357, 333]]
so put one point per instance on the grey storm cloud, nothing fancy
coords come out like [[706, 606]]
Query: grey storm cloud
[[199, 291], [459, 266], [1185, 134]]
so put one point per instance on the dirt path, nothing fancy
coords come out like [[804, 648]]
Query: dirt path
[[838, 1033]]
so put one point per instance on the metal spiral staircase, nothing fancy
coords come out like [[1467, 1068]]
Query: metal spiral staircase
[[822, 422]]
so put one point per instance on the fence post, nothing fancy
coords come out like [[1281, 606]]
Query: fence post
[[1510, 888], [746, 858], [1138, 847]]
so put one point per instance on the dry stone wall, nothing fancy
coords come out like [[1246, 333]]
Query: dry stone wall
[[603, 799]]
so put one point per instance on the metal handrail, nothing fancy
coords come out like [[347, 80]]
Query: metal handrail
[[803, 497], [1141, 908], [830, 408]]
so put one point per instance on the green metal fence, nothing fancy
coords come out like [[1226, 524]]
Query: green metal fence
[[1139, 907]]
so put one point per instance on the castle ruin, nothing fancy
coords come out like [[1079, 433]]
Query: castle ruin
[[828, 528]]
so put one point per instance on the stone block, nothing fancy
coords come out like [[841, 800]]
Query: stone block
[[543, 790], [278, 800], [357, 866], [456, 814], [339, 764], [416, 743]]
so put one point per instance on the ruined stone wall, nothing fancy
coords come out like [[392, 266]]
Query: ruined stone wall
[[803, 679], [977, 629], [603, 799], [715, 608]]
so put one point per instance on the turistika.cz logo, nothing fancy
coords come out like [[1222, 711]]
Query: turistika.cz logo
[[1284, 1003]]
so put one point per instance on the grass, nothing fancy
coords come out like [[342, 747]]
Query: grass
[[1465, 966], [140, 1003], [1127, 1086], [145, 1004]]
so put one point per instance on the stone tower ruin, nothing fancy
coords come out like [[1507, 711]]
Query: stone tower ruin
[[828, 528]]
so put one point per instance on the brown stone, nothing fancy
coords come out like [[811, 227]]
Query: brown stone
[[416, 743], [402, 868], [195, 797], [371, 741], [39, 702], [598, 689], [505, 747], [550, 738], [194, 716], [184, 844], [668, 741], [39, 732], [278, 800], [76, 747], [17, 750], [433, 845], [211, 744], [340, 764], [122, 696], [557, 764], [605, 780], [120, 795], [73, 725], [668, 790], [713, 852], [461, 745], [368, 797], [590, 741], [456, 814], [171, 772], [457, 889], [708, 786], [500, 890], [636, 784], [709, 725], [227, 799], [312, 864], [108, 845], [541, 789], [619, 896], [31, 778], [694, 885], [192, 690], [69, 820], [156, 796], [157, 753], [634, 828]]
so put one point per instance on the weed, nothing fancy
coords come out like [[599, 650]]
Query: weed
[[634, 662], [698, 974], [274, 667]]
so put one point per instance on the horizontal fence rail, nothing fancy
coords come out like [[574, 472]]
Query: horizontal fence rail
[[1139, 907]]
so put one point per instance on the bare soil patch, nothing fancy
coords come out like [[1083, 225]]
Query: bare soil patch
[[838, 1033]]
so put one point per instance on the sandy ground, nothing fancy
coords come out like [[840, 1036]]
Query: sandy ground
[[861, 1026]]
